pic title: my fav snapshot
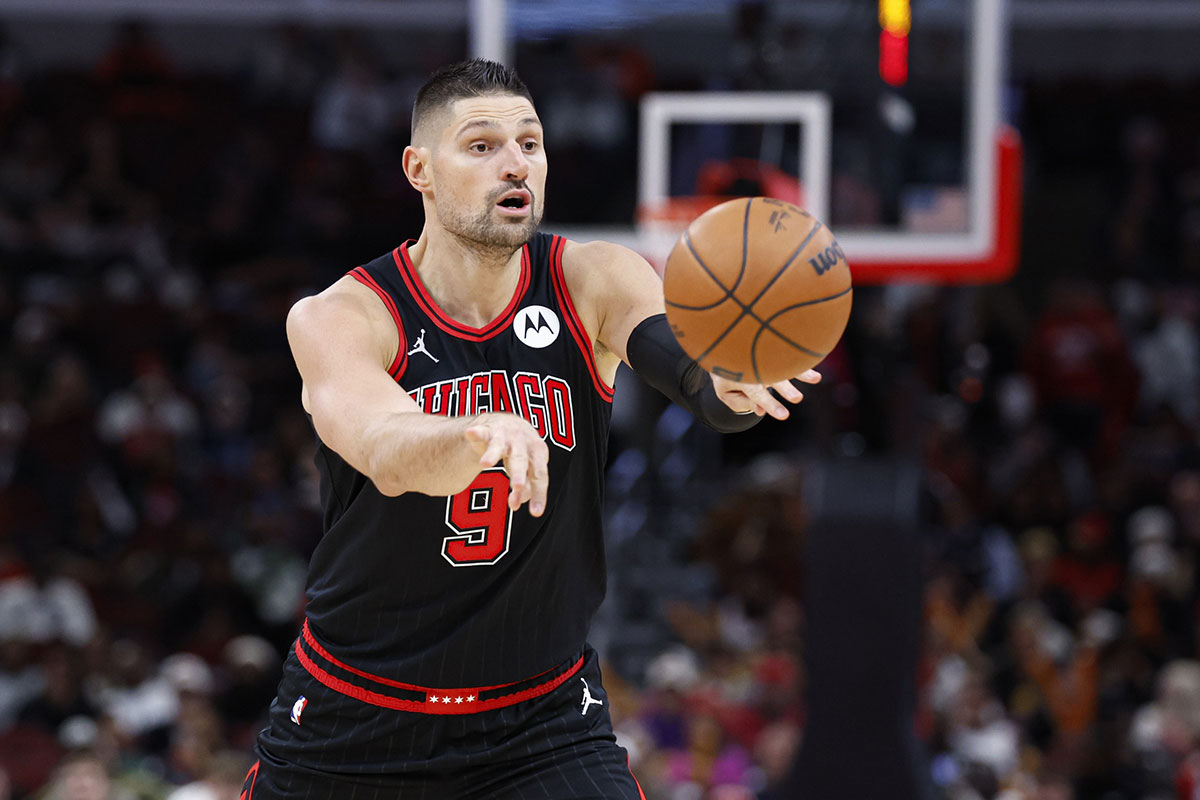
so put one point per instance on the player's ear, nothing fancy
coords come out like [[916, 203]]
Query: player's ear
[[416, 168]]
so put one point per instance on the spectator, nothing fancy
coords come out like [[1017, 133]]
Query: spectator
[[1081, 369], [62, 697], [81, 776], [140, 700], [351, 111], [21, 678], [284, 70], [979, 732], [222, 780], [1164, 732]]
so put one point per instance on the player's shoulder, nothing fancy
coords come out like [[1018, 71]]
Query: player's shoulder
[[602, 264], [599, 253], [350, 301], [347, 317], [346, 297], [607, 266], [609, 281]]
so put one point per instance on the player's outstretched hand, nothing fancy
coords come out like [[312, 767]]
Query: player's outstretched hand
[[508, 438], [751, 398]]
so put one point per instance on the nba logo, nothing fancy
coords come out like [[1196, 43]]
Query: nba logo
[[298, 708]]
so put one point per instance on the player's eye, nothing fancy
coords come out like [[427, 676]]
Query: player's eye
[[531, 146], [478, 147]]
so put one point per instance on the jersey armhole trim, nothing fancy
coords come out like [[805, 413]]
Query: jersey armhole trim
[[249, 781], [578, 332], [641, 794], [400, 362]]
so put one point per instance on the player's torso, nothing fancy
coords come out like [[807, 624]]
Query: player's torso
[[460, 591]]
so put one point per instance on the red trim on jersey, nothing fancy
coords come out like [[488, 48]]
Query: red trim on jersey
[[578, 332], [311, 641], [350, 690], [401, 359], [641, 794], [441, 318], [452, 701], [251, 778]]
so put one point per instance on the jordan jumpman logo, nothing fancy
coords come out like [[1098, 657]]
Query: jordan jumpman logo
[[419, 347], [587, 698]]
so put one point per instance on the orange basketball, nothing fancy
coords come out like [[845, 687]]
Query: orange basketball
[[757, 290]]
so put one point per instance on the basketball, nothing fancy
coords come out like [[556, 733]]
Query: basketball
[[757, 290]]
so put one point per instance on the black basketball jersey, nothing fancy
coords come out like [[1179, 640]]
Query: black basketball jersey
[[459, 591]]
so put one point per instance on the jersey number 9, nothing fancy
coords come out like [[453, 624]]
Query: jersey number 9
[[481, 520]]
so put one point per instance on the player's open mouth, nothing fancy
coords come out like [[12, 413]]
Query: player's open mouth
[[515, 203]]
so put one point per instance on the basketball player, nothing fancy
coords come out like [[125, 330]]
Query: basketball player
[[460, 387]]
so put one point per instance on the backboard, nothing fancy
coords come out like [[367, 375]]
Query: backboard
[[901, 148]]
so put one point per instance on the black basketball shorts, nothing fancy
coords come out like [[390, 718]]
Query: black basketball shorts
[[338, 733]]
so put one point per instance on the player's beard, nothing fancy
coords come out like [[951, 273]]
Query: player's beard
[[486, 230]]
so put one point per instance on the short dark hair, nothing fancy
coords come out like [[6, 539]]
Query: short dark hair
[[473, 78]]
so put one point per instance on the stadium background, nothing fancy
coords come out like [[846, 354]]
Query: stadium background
[[168, 186]]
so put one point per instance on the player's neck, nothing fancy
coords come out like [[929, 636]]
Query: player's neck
[[472, 284]]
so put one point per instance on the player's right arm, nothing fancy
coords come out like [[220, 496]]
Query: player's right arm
[[342, 341]]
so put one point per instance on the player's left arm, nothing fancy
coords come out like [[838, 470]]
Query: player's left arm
[[619, 297]]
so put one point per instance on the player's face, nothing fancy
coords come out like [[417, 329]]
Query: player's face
[[489, 171]]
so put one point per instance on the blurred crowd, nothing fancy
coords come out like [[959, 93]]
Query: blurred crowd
[[157, 490], [1057, 421]]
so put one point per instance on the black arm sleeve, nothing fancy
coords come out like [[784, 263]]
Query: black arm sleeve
[[658, 359]]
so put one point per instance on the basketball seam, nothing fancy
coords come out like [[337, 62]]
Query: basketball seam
[[687, 239], [728, 292], [824, 299], [786, 264], [766, 326], [717, 281], [745, 245], [749, 309]]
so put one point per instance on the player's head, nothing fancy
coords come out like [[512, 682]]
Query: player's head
[[477, 151], [474, 78]]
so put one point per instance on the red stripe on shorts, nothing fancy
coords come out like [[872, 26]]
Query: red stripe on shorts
[[436, 700]]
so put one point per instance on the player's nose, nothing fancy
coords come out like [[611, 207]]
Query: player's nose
[[514, 163]]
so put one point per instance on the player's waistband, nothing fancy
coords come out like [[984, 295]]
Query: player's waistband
[[387, 693]]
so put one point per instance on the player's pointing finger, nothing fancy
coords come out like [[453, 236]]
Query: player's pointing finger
[[540, 481], [517, 465]]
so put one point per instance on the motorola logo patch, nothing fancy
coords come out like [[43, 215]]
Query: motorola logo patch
[[536, 326]]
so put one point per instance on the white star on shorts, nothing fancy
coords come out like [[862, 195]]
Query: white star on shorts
[[470, 698], [458, 699]]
